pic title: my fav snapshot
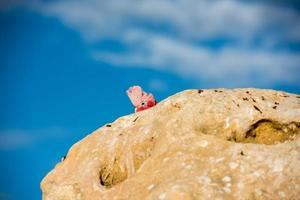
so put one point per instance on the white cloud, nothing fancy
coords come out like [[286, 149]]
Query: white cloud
[[189, 19], [22, 139], [230, 65], [167, 35]]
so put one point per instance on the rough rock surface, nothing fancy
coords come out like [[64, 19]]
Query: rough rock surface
[[197, 144]]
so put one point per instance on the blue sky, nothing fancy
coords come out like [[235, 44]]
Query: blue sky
[[65, 66]]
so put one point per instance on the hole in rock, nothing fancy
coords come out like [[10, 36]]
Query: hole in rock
[[269, 132], [111, 175], [113, 171]]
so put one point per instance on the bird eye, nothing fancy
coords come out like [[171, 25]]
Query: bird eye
[[143, 103]]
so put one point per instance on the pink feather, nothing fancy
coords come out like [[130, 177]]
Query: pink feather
[[140, 99]]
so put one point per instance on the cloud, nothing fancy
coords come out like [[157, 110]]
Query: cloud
[[187, 19], [22, 139], [229, 66], [169, 35]]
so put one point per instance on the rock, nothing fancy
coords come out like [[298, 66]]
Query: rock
[[197, 144]]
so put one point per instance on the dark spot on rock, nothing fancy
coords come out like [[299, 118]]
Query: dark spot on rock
[[274, 107], [102, 181], [242, 153], [253, 100], [63, 158], [135, 119], [238, 105], [120, 134], [176, 105], [282, 95], [245, 99], [276, 103], [108, 125], [232, 136], [247, 92], [263, 98], [220, 91], [200, 91], [298, 97], [256, 108], [216, 90]]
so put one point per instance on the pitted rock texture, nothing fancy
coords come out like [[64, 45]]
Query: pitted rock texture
[[197, 144]]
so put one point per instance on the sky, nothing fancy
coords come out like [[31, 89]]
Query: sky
[[65, 66]]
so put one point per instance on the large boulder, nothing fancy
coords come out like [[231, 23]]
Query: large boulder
[[197, 144]]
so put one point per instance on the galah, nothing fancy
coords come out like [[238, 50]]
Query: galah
[[140, 99]]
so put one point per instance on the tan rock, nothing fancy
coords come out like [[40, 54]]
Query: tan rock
[[197, 144]]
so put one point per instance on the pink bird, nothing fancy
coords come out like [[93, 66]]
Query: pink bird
[[140, 99]]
